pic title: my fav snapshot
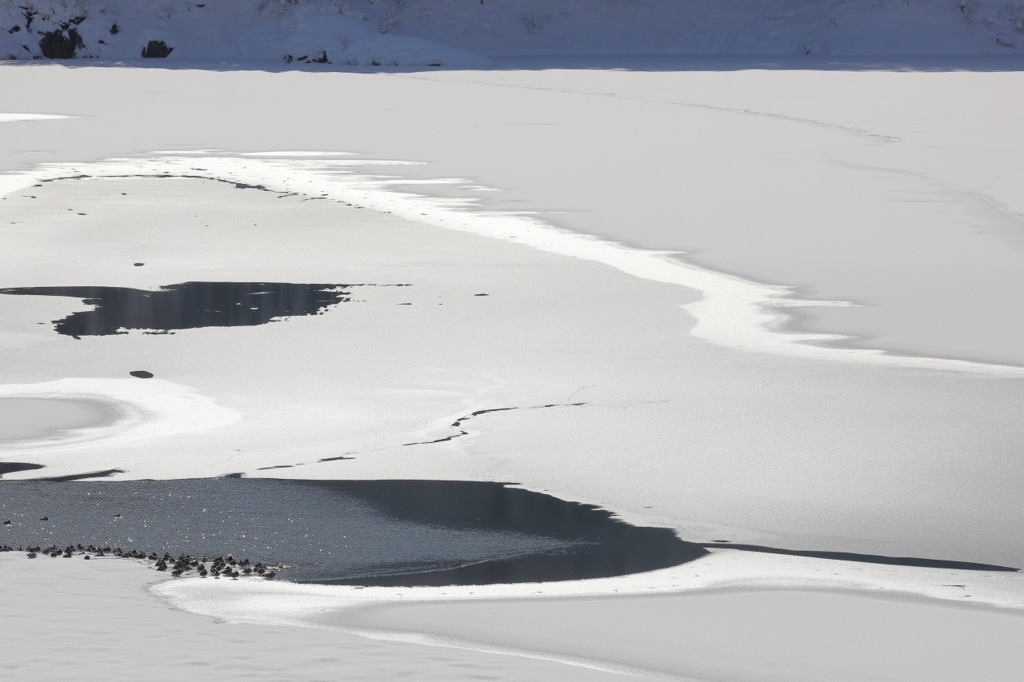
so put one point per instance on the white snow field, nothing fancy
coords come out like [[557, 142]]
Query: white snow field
[[772, 299]]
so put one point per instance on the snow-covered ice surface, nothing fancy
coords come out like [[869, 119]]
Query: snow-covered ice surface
[[99, 623], [769, 300], [721, 618], [784, 635], [738, 178]]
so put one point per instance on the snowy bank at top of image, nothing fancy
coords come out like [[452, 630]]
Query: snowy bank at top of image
[[461, 34], [280, 31]]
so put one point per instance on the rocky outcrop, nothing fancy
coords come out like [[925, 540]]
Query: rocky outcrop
[[63, 42], [156, 49]]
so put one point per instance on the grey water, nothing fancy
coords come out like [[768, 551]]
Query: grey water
[[355, 532], [189, 305]]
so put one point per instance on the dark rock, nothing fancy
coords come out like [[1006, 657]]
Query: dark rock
[[30, 14], [61, 44], [156, 49]]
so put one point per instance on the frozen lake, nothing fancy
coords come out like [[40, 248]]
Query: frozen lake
[[607, 275]]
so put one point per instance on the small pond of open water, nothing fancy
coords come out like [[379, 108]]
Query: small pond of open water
[[357, 532], [400, 533], [189, 305]]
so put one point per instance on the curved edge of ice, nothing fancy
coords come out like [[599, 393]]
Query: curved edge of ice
[[733, 312]]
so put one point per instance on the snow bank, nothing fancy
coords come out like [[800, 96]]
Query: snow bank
[[232, 30], [421, 33], [711, 27]]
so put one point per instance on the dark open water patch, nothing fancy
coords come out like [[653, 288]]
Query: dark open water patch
[[396, 533], [12, 467], [190, 305], [351, 532]]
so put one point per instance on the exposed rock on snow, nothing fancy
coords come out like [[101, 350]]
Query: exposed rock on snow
[[233, 30], [63, 43], [156, 49]]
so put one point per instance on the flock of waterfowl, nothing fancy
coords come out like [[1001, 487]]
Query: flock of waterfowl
[[183, 564]]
